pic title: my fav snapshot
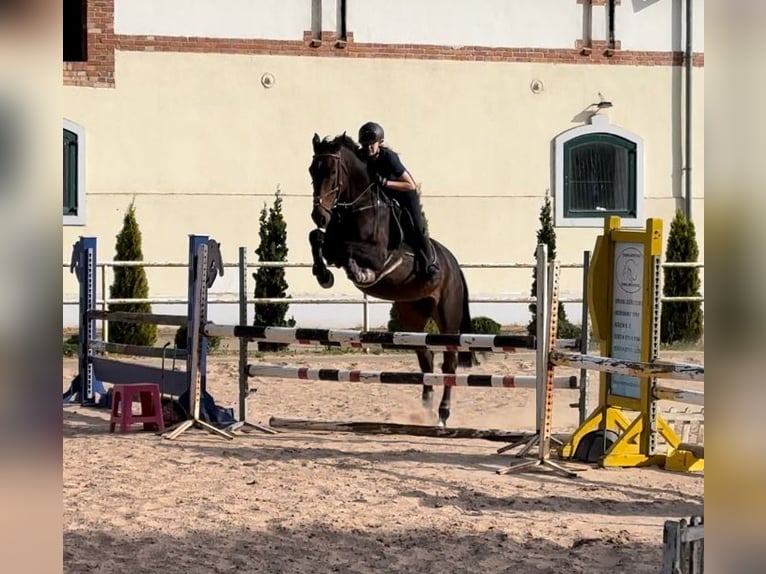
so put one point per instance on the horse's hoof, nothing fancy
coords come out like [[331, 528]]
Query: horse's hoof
[[443, 416], [327, 281]]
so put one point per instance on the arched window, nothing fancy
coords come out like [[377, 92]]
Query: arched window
[[74, 174], [599, 172]]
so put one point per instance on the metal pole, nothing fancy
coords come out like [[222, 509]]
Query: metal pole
[[366, 313], [366, 318], [688, 112], [542, 322], [104, 322], [243, 384], [584, 336]]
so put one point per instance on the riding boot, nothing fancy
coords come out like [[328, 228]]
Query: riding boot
[[421, 245], [429, 267]]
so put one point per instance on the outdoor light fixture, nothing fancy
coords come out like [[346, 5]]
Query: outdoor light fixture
[[603, 103]]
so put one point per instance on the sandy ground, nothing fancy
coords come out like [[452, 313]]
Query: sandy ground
[[301, 502]]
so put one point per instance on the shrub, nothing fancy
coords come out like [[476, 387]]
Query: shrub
[[270, 281], [130, 283], [485, 325], [395, 325], [547, 235], [681, 321], [213, 343]]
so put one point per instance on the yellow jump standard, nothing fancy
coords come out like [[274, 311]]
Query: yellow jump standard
[[623, 301]]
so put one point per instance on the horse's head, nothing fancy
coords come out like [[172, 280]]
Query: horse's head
[[326, 178], [336, 172]]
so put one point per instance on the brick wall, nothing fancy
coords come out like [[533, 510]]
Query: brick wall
[[102, 42], [98, 71]]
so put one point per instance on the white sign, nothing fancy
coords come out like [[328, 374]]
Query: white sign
[[627, 313]]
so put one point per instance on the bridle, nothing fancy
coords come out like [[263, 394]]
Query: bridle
[[338, 188], [338, 182]]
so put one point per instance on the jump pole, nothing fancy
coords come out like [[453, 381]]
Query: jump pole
[[403, 377], [375, 339]]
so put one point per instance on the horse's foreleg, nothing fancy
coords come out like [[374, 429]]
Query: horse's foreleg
[[319, 269], [449, 367]]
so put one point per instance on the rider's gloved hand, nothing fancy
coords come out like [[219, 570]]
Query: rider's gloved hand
[[381, 181]]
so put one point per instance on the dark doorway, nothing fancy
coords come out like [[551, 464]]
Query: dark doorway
[[75, 31]]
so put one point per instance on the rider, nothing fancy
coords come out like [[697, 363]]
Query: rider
[[387, 170]]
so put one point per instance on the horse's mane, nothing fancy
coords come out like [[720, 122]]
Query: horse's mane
[[341, 141], [335, 144]]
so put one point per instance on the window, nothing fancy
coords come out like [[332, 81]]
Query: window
[[598, 174], [316, 23], [75, 31], [341, 33], [74, 174], [610, 20]]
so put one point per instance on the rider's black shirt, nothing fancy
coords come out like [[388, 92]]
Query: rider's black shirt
[[387, 164]]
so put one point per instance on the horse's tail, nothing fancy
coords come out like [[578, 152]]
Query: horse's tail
[[466, 359]]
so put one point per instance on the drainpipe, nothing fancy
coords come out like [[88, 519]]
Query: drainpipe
[[688, 111]]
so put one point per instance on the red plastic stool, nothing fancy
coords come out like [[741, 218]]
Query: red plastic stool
[[151, 407]]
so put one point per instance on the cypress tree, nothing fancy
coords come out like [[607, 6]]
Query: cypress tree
[[547, 235], [270, 281], [681, 321], [130, 283]]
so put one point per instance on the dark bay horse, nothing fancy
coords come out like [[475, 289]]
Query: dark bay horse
[[358, 230]]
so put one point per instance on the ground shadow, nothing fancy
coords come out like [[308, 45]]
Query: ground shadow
[[281, 548], [593, 496], [596, 496]]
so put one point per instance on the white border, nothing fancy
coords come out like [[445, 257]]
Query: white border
[[599, 124], [77, 129]]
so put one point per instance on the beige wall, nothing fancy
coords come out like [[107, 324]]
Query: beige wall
[[201, 145]]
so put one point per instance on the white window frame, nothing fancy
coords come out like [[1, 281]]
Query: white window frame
[[77, 129], [599, 124]]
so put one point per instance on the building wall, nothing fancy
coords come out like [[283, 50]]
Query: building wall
[[189, 131], [265, 19]]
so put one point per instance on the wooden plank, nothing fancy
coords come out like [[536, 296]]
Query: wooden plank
[[144, 318], [110, 371], [671, 541], [398, 429], [694, 533], [679, 395], [677, 371], [697, 450], [695, 536], [138, 350]]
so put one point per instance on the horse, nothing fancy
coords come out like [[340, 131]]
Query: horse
[[361, 230]]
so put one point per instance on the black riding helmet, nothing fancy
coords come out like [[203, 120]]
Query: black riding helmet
[[370, 133]]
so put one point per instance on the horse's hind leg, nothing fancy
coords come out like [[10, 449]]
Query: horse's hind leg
[[413, 317], [426, 362], [448, 322], [449, 367]]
